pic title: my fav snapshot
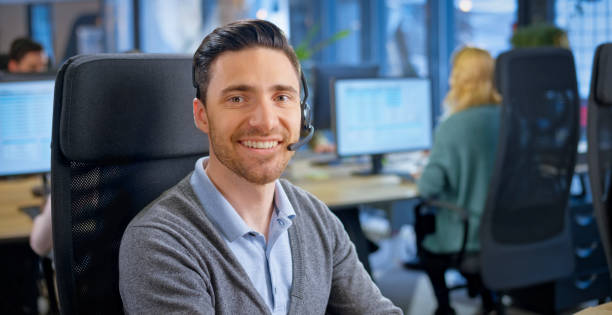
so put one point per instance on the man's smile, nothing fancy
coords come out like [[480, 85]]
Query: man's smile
[[260, 144]]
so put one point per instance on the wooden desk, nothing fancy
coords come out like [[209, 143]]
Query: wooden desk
[[338, 188], [343, 192], [16, 193]]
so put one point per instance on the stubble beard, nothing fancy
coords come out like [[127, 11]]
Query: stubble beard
[[253, 170]]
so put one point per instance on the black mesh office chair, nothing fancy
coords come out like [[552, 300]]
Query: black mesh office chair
[[600, 144], [525, 236], [123, 133]]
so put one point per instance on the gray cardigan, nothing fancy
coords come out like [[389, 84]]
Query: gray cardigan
[[173, 260]]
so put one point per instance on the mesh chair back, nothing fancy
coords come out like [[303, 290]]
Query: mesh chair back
[[525, 227], [600, 144], [123, 133]]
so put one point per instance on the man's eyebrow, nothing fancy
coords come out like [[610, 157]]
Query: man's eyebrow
[[239, 87], [248, 88], [281, 87]]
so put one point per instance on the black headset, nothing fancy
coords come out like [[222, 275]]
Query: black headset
[[306, 129]]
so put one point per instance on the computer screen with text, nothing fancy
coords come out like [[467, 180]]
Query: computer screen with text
[[26, 115], [382, 115]]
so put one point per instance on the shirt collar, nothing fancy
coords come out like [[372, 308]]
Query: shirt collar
[[282, 205], [221, 212]]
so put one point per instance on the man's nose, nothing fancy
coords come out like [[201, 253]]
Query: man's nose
[[264, 115]]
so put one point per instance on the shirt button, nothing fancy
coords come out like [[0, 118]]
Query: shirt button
[[281, 222]]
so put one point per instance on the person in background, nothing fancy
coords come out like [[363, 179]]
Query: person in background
[[459, 168], [231, 237], [26, 56], [41, 238]]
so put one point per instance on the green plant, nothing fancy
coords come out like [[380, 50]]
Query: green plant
[[305, 50], [539, 35]]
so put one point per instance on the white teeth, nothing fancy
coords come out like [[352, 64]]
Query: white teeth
[[260, 144]]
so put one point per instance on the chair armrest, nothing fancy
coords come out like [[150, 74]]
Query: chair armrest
[[463, 214]]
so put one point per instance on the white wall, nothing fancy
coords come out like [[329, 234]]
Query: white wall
[[13, 24]]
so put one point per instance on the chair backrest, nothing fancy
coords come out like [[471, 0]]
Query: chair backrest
[[123, 133], [525, 235], [599, 132]]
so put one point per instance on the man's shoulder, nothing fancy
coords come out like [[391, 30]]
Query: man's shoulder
[[177, 205]]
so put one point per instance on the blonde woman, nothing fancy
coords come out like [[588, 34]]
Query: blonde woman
[[460, 166]]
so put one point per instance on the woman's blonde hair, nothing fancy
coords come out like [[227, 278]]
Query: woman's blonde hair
[[471, 81]]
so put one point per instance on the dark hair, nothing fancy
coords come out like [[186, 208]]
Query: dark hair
[[234, 37], [21, 46]]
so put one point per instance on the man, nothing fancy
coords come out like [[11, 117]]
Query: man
[[231, 238], [26, 55]]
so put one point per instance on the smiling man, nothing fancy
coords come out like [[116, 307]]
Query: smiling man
[[232, 238]]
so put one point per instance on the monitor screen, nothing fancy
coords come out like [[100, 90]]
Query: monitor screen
[[26, 115], [382, 115], [324, 75]]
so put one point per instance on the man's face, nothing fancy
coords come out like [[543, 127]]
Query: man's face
[[252, 112], [33, 61]]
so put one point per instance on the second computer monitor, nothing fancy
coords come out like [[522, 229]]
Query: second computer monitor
[[324, 75], [382, 115], [26, 110]]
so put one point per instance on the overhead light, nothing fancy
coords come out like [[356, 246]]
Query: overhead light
[[262, 14], [465, 5]]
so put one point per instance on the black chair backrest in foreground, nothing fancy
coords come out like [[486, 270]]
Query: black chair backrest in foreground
[[599, 132], [525, 230], [123, 133]]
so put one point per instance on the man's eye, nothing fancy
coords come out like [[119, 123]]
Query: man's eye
[[236, 99], [283, 98]]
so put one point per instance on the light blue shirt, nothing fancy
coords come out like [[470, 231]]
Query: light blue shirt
[[269, 266]]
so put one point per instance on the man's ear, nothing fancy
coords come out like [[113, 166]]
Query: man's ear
[[200, 117]]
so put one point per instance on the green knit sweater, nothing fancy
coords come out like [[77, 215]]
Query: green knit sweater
[[458, 172]]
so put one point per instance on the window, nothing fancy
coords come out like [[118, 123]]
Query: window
[[178, 26], [486, 24], [588, 24], [41, 27], [405, 46], [315, 24]]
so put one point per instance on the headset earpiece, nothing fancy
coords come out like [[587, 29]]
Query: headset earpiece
[[306, 110], [306, 129], [193, 81]]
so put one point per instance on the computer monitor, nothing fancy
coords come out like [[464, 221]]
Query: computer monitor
[[26, 115], [323, 77], [375, 116]]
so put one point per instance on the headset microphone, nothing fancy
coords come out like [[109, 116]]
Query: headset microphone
[[303, 141], [306, 125]]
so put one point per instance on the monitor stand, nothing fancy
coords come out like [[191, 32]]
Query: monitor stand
[[377, 169]]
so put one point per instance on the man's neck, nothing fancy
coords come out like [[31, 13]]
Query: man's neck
[[253, 202]]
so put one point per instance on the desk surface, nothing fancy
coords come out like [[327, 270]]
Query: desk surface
[[337, 187], [334, 185], [16, 193]]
